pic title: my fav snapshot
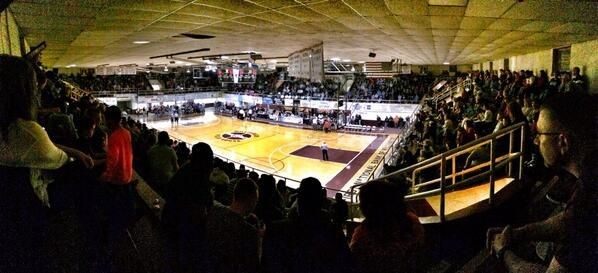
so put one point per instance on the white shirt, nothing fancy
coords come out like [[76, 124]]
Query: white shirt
[[324, 147]]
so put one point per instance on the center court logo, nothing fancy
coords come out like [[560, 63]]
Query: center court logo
[[236, 136]]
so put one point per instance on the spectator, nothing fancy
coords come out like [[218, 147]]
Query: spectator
[[26, 151], [188, 199], [339, 210], [391, 236], [579, 83], [117, 188], [233, 242], [566, 140], [308, 242], [162, 163], [269, 207]]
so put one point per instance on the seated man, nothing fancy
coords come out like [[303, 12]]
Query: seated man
[[232, 241], [566, 140], [307, 242]]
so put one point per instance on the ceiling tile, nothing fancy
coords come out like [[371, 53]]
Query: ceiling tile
[[356, 23], [275, 4], [333, 9], [445, 32], [575, 28], [148, 5], [407, 7], [414, 21], [508, 24], [369, 8], [539, 26], [239, 6], [190, 19], [446, 11], [485, 8], [303, 13], [206, 11], [445, 22], [476, 22], [276, 17], [460, 3]]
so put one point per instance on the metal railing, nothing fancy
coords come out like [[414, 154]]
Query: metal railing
[[448, 92], [452, 179]]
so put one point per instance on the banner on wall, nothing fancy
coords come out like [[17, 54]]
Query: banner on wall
[[116, 70], [308, 63], [317, 63]]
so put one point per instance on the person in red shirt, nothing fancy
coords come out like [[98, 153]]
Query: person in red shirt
[[119, 153], [117, 193]]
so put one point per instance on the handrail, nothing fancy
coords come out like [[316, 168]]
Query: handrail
[[495, 161], [450, 90]]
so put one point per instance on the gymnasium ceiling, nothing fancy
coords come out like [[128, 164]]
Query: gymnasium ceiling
[[95, 32]]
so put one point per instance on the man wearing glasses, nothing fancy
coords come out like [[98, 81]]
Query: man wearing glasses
[[566, 137]]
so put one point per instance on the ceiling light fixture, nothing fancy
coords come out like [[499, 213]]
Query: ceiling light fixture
[[141, 42], [71, 65], [446, 63]]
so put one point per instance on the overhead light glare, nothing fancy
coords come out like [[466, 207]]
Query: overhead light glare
[[141, 42], [446, 63], [71, 65]]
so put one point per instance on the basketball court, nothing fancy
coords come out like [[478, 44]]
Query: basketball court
[[285, 152]]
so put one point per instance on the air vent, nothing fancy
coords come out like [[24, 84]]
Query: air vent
[[194, 36]]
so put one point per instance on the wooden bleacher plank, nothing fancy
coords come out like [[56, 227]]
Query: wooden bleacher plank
[[465, 198]]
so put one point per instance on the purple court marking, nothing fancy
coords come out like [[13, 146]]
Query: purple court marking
[[334, 155], [339, 181]]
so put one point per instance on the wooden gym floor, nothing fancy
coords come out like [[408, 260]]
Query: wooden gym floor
[[282, 151]]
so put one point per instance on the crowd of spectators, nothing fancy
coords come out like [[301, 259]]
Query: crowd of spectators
[[179, 80], [319, 119], [401, 88], [292, 231], [162, 111], [493, 100], [221, 218], [184, 79], [88, 81]]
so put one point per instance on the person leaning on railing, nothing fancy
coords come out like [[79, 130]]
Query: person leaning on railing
[[25, 150]]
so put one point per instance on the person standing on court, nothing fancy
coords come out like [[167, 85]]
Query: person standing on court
[[324, 148]]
